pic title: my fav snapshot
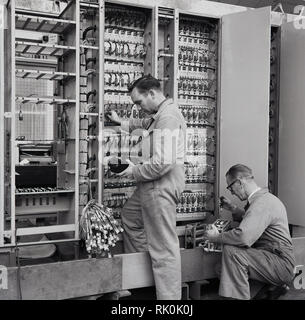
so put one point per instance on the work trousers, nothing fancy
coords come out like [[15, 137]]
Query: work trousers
[[149, 222], [241, 264]]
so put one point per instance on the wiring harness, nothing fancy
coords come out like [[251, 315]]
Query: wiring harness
[[99, 229]]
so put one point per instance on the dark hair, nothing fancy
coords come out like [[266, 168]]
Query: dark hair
[[145, 84], [240, 171]]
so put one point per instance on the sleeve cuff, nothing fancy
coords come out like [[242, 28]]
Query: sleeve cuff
[[218, 238]]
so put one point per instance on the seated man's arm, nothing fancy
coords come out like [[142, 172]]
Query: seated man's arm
[[252, 226], [237, 213]]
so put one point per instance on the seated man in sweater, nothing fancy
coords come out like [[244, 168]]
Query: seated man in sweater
[[260, 248]]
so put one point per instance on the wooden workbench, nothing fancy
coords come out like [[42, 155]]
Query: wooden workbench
[[89, 277]]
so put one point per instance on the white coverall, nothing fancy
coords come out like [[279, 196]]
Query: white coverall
[[149, 216]]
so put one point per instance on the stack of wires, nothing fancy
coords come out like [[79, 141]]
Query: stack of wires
[[99, 229]]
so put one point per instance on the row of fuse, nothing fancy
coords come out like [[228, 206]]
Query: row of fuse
[[196, 30], [121, 49], [117, 144], [115, 201], [198, 59], [120, 76], [120, 81], [197, 87], [117, 184], [198, 116], [125, 18], [195, 56], [195, 202], [198, 173], [198, 144]]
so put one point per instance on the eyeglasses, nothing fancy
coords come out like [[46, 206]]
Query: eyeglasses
[[229, 187]]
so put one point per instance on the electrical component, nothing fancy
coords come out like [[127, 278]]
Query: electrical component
[[221, 225], [194, 235], [85, 32], [193, 202]]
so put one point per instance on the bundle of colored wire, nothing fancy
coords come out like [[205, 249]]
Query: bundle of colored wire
[[99, 228]]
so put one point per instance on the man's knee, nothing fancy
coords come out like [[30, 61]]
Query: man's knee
[[127, 217], [228, 250]]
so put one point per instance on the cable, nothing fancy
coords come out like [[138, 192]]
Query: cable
[[63, 126], [87, 30], [90, 93], [90, 60], [18, 267]]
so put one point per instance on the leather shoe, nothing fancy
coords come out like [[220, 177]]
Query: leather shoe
[[271, 292]]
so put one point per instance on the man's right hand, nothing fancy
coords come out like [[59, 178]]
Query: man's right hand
[[113, 116], [226, 204]]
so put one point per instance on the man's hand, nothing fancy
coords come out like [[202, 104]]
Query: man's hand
[[113, 116], [128, 172], [211, 233], [226, 204]]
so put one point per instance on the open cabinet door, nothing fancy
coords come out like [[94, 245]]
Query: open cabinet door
[[244, 95], [291, 163]]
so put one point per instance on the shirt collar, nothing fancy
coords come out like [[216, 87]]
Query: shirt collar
[[257, 189], [162, 106]]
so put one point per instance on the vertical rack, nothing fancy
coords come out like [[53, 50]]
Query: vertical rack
[[44, 49], [197, 100], [167, 35], [91, 71], [128, 54]]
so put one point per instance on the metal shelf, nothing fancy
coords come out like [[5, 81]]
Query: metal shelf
[[89, 4], [200, 126], [124, 60], [85, 46], [51, 62], [56, 50], [42, 24], [43, 192], [44, 100], [43, 74], [191, 216]]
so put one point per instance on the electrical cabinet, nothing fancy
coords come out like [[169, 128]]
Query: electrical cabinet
[[291, 118], [285, 177], [41, 127], [67, 70]]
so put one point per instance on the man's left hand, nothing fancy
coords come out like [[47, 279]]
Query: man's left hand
[[128, 172]]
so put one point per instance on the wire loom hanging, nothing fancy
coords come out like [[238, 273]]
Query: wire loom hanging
[[99, 229]]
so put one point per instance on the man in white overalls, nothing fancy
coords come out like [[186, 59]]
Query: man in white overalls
[[149, 216]]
